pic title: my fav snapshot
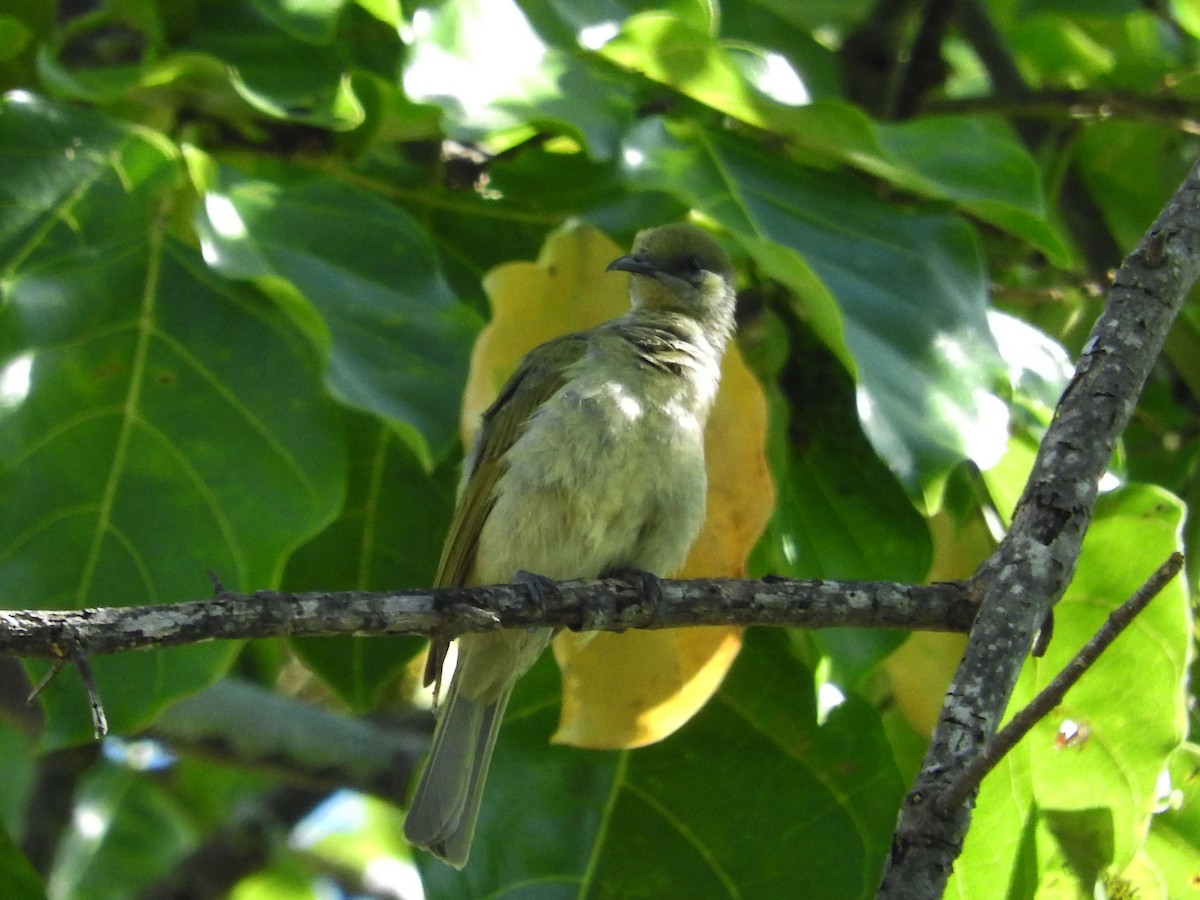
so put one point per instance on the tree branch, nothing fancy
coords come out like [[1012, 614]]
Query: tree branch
[[1027, 574], [966, 783], [612, 604], [242, 724]]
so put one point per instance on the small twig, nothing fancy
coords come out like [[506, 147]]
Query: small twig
[[965, 783], [99, 719], [56, 666], [72, 654], [1068, 105]]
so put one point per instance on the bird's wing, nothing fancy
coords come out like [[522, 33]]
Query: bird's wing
[[541, 373]]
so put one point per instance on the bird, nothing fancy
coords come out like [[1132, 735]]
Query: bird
[[590, 462]]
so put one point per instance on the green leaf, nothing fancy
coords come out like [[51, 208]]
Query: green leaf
[[1173, 846], [975, 163], [15, 36], [754, 761], [911, 287], [399, 342], [211, 791], [308, 20], [568, 24], [691, 60], [999, 859], [166, 423], [16, 762], [386, 11], [1187, 15], [288, 877], [389, 535], [1133, 733], [281, 58], [1131, 169], [356, 832], [21, 881], [979, 165], [839, 512], [662, 47], [768, 33], [1092, 800], [126, 833], [527, 84], [1059, 49]]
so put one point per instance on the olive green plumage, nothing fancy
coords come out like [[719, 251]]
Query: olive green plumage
[[590, 460]]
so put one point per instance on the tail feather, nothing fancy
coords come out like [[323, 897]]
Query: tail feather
[[445, 803]]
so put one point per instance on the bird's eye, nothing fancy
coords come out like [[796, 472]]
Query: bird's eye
[[694, 266]]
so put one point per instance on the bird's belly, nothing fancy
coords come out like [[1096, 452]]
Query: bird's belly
[[596, 489]]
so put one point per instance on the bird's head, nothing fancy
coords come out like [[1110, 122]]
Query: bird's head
[[680, 268]]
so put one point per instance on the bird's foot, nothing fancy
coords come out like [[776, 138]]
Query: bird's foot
[[647, 584], [543, 590]]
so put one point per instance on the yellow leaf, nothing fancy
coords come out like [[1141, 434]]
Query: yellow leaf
[[631, 689]]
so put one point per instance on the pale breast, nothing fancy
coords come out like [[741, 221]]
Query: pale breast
[[609, 473]]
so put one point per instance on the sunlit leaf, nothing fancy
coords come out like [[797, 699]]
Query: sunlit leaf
[[527, 83], [171, 423], [1092, 795], [310, 20], [398, 339], [281, 58], [910, 285]]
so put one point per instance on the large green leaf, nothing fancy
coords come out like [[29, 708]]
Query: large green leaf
[[1092, 800], [910, 285], [752, 798], [230, 57], [159, 422], [399, 341], [999, 860], [978, 164], [281, 57], [388, 536], [840, 513], [16, 762]]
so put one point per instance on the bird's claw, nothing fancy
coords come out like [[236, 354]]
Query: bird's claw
[[543, 590], [647, 584]]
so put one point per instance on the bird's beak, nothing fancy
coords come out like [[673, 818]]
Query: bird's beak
[[634, 264]]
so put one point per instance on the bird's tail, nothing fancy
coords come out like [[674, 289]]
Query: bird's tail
[[445, 804]]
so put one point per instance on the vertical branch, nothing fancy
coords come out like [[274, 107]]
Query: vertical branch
[[1027, 574]]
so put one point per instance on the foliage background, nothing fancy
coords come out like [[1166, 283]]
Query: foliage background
[[241, 251]]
